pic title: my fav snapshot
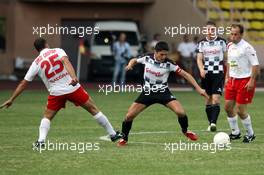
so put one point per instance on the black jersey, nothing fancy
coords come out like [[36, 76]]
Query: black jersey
[[213, 53]]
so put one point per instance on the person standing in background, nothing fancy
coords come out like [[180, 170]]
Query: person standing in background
[[195, 69], [156, 39], [211, 58], [185, 49], [122, 53]]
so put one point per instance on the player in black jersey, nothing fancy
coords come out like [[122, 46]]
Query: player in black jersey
[[156, 72], [210, 59]]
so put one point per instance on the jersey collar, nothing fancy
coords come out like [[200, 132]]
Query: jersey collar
[[240, 42], [155, 60], [210, 39], [43, 50]]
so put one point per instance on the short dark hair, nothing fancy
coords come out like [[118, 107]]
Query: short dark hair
[[241, 28], [161, 45], [211, 23], [39, 44], [156, 35]]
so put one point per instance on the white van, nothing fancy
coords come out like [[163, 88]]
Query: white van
[[102, 61]]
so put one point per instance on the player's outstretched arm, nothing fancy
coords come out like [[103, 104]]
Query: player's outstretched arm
[[131, 64], [66, 62], [20, 88], [192, 81]]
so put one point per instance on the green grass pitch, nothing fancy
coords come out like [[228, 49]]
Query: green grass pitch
[[145, 153]]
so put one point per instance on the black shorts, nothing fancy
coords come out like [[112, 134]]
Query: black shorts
[[148, 98], [213, 83]]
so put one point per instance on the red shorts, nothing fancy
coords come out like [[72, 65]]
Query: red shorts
[[235, 90], [78, 97]]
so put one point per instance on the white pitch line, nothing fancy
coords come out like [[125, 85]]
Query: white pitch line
[[105, 138]]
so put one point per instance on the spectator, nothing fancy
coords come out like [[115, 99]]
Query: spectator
[[195, 70], [122, 53], [186, 49], [174, 57], [156, 39], [144, 47]]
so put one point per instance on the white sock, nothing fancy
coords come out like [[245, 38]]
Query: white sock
[[103, 121], [43, 129], [248, 126], [233, 125]]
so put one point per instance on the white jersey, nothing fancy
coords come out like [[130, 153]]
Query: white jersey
[[241, 57], [186, 49], [50, 69], [156, 73]]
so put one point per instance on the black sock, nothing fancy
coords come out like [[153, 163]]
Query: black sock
[[208, 111], [215, 113], [126, 126], [183, 121]]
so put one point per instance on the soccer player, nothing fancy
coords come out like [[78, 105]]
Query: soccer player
[[156, 72], [210, 60], [242, 69], [55, 70]]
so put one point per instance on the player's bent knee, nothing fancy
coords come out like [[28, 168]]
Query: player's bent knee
[[130, 116], [180, 111], [216, 99], [90, 107], [49, 114]]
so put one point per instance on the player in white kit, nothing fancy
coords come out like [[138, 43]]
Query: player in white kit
[[57, 73], [242, 70]]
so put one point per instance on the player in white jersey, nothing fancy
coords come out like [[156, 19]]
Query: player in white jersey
[[242, 70], [156, 72], [210, 60], [55, 70]]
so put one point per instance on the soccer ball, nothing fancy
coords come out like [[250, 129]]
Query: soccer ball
[[221, 138]]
